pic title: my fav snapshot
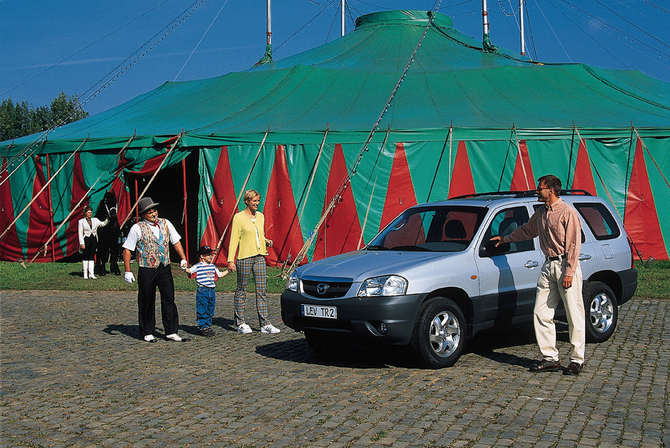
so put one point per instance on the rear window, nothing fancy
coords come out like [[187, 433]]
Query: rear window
[[600, 220]]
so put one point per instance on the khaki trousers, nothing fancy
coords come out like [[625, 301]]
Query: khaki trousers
[[549, 291]]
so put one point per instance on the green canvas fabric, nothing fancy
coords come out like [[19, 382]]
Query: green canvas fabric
[[453, 92]]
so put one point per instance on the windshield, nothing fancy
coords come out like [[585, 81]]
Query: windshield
[[436, 229]]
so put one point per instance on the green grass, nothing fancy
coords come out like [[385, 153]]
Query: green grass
[[68, 277], [653, 279]]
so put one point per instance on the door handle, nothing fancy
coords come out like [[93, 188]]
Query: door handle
[[531, 264], [584, 257]]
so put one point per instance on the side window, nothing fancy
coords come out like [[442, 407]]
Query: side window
[[505, 222], [600, 220]]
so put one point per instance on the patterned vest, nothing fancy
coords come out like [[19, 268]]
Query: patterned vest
[[151, 251]]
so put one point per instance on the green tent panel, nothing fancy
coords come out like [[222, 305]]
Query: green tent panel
[[462, 120]]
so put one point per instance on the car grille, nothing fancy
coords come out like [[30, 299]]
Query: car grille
[[332, 289]]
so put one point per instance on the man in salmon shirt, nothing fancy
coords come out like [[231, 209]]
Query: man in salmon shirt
[[558, 226]]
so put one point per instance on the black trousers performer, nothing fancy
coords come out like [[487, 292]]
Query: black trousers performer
[[147, 280]]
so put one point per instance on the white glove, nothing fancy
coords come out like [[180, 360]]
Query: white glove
[[184, 264], [129, 277]]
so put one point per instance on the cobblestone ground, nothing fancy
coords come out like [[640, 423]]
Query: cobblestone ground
[[74, 373]]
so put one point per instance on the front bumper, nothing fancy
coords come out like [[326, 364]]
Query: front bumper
[[360, 317]]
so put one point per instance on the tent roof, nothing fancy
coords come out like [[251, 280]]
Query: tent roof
[[344, 85]]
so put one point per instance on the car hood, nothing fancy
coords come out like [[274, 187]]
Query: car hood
[[360, 265]]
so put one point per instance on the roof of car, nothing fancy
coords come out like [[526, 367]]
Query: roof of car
[[484, 199]]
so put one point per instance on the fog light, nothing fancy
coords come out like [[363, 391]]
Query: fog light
[[382, 328]]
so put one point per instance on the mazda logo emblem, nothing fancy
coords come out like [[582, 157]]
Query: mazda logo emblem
[[321, 288]]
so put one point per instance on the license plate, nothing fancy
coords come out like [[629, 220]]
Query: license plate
[[323, 312]]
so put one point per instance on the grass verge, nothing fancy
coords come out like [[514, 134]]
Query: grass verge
[[653, 279]]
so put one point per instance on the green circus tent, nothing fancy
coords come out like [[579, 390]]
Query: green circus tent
[[463, 119]]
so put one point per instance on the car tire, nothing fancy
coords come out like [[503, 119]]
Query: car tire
[[328, 344], [602, 313], [439, 333]]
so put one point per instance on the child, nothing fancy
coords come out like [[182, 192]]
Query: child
[[206, 274]]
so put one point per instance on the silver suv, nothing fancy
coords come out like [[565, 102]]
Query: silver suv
[[432, 279]]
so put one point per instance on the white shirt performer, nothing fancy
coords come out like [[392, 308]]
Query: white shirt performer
[[150, 239]]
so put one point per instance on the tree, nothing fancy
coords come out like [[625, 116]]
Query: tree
[[19, 119]]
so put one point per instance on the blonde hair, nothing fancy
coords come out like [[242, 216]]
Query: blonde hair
[[249, 195]]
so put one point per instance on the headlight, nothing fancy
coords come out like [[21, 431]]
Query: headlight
[[389, 285], [292, 283]]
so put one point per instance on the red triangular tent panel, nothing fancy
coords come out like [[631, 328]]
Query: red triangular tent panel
[[400, 194], [10, 249], [281, 217], [124, 202], [39, 229], [222, 206], [523, 179], [461, 180], [342, 229], [583, 179], [640, 218]]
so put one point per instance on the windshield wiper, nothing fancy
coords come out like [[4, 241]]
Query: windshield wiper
[[376, 248]]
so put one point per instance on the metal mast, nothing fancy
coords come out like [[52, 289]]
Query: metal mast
[[267, 57], [342, 12], [523, 38], [486, 41]]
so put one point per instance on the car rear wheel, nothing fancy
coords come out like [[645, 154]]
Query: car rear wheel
[[602, 312], [439, 333]]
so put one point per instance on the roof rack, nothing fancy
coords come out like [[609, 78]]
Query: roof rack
[[520, 194]]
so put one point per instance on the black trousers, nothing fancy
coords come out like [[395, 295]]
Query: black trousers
[[91, 244], [148, 280]]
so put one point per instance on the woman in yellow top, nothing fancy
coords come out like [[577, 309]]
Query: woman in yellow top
[[248, 235]]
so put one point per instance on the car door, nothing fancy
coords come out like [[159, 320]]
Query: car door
[[507, 280]]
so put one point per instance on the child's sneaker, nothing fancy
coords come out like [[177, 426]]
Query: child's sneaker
[[244, 329], [269, 328], [207, 332]]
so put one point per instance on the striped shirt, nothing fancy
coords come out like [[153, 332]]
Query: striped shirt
[[206, 274]]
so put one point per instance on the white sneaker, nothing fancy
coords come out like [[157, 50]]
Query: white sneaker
[[244, 329], [174, 337], [149, 338], [269, 328]]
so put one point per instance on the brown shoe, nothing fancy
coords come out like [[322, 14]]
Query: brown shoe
[[573, 368], [546, 366]]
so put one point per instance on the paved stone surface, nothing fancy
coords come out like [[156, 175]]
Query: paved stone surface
[[74, 373]]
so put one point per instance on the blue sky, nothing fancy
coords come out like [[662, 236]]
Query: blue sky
[[78, 47]]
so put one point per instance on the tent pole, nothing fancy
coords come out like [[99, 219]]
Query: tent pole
[[372, 193], [185, 214], [218, 246], [41, 190], [80, 201], [167, 154], [342, 15], [51, 214]]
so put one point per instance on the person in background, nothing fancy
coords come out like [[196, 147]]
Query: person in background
[[206, 274], [559, 228], [150, 239], [88, 240], [248, 235]]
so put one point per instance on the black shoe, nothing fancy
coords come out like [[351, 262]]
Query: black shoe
[[546, 366], [207, 332], [573, 368]]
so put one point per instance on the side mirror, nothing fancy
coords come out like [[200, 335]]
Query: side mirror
[[490, 249]]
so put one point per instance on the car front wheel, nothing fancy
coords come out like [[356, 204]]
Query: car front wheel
[[439, 333], [601, 312]]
